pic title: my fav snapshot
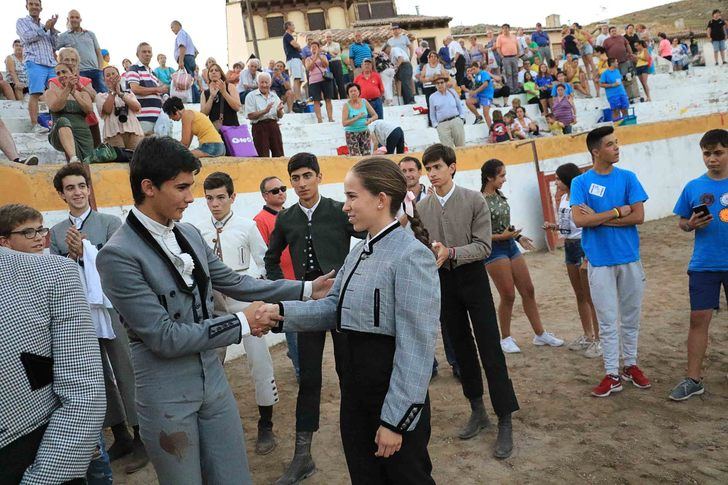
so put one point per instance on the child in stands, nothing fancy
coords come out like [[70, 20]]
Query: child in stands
[[499, 129]]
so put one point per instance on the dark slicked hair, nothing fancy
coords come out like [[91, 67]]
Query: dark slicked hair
[[159, 159], [219, 179], [265, 181], [594, 137], [75, 168], [438, 151], [412, 159], [303, 160], [714, 138]]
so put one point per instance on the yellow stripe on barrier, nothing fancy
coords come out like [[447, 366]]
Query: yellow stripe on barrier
[[33, 185]]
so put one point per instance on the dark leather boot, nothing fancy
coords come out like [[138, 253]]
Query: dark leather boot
[[302, 465], [504, 442], [478, 420], [139, 458], [123, 442], [266, 441]]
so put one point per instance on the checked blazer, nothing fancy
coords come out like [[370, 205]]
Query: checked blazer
[[388, 286], [51, 365]]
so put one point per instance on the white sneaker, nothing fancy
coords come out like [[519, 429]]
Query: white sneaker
[[39, 129], [547, 338], [582, 343], [509, 346], [594, 350]]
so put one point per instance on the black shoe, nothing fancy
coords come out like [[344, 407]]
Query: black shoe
[[266, 441], [478, 420], [139, 458], [121, 448], [456, 373], [504, 442], [302, 465]]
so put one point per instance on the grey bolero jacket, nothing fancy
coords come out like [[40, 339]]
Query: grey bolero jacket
[[389, 286]]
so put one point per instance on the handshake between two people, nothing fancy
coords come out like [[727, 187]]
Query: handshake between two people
[[263, 317]]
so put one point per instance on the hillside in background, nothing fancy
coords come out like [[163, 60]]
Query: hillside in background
[[695, 15]]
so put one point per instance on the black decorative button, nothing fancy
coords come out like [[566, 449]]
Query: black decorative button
[[177, 315], [172, 293]]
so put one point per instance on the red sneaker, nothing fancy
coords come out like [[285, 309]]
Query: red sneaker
[[608, 385], [635, 375]]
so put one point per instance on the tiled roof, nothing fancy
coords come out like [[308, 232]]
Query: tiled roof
[[404, 21], [479, 29], [376, 34]]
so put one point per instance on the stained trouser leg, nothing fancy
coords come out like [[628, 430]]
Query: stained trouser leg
[[310, 356], [474, 289], [454, 317], [222, 441]]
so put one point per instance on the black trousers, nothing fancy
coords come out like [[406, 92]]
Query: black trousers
[[395, 141], [370, 361], [460, 68], [16, 457], [338, 72], [465, 292], [428, 92]]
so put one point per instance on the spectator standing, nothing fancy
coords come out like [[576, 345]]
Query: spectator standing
[[16, 71], [385, 69], [333, 51], [264, 109], [664, 48], [618, 47], [147, 88], [584, 41], [644, 61], [274, 196], [507, 47], [545, 83], [387, 135], [543, 42], [447, 114], [69, 104], [477, 52], [403, 64], [444, 55], [608, 204], [195, 124], [703, 208], [185, 53], [603, 35], [457, 58], [611, 81], [631, 36], [118, 109], [56, 390], [89, 51], [164, 72], [356, 115], [372, 88], [220, 102], [248, 79], [294, 61], [358, 51], [39, 51], [717, 35], [320, 81], [430, 72]]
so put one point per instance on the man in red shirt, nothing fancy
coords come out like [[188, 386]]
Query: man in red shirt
[[371, 85], [274, 195], [617, 47]]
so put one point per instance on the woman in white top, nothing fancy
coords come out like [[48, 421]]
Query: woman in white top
[[576, 264], [17, 77], [431, 71], [118, 109], [524, 125]]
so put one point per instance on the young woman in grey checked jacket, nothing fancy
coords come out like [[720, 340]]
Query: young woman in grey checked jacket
[[386, 300]]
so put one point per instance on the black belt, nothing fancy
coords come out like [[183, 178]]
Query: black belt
[[448, 119], [510, 56]]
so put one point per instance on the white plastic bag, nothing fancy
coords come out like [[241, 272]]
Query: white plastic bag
[[181, 86]]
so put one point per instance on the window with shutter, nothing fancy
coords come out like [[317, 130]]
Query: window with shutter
[[275, 26], [316, 21], [382, 10], [363, 9]]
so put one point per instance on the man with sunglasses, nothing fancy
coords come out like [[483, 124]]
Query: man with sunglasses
[[67, 239], [237, 242], [447, 114], [274, 196]]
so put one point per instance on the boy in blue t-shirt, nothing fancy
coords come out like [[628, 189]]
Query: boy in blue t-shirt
[[703, 208], [608, 203], [481, 94], [611, 81]]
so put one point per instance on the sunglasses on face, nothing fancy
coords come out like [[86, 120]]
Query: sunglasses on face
[[277, 190]]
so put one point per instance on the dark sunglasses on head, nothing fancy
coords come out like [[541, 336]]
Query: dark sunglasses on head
[[277, 190]]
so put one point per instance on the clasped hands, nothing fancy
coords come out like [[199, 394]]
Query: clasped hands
[[262, 317]]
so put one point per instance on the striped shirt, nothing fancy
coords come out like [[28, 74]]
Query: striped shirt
[[151, 103], [38, 44]]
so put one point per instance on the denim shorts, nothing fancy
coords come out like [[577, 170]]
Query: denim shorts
[[719, 45], [38, 76], [213, 149], [503, 249], [573, 253], [705, 289]]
